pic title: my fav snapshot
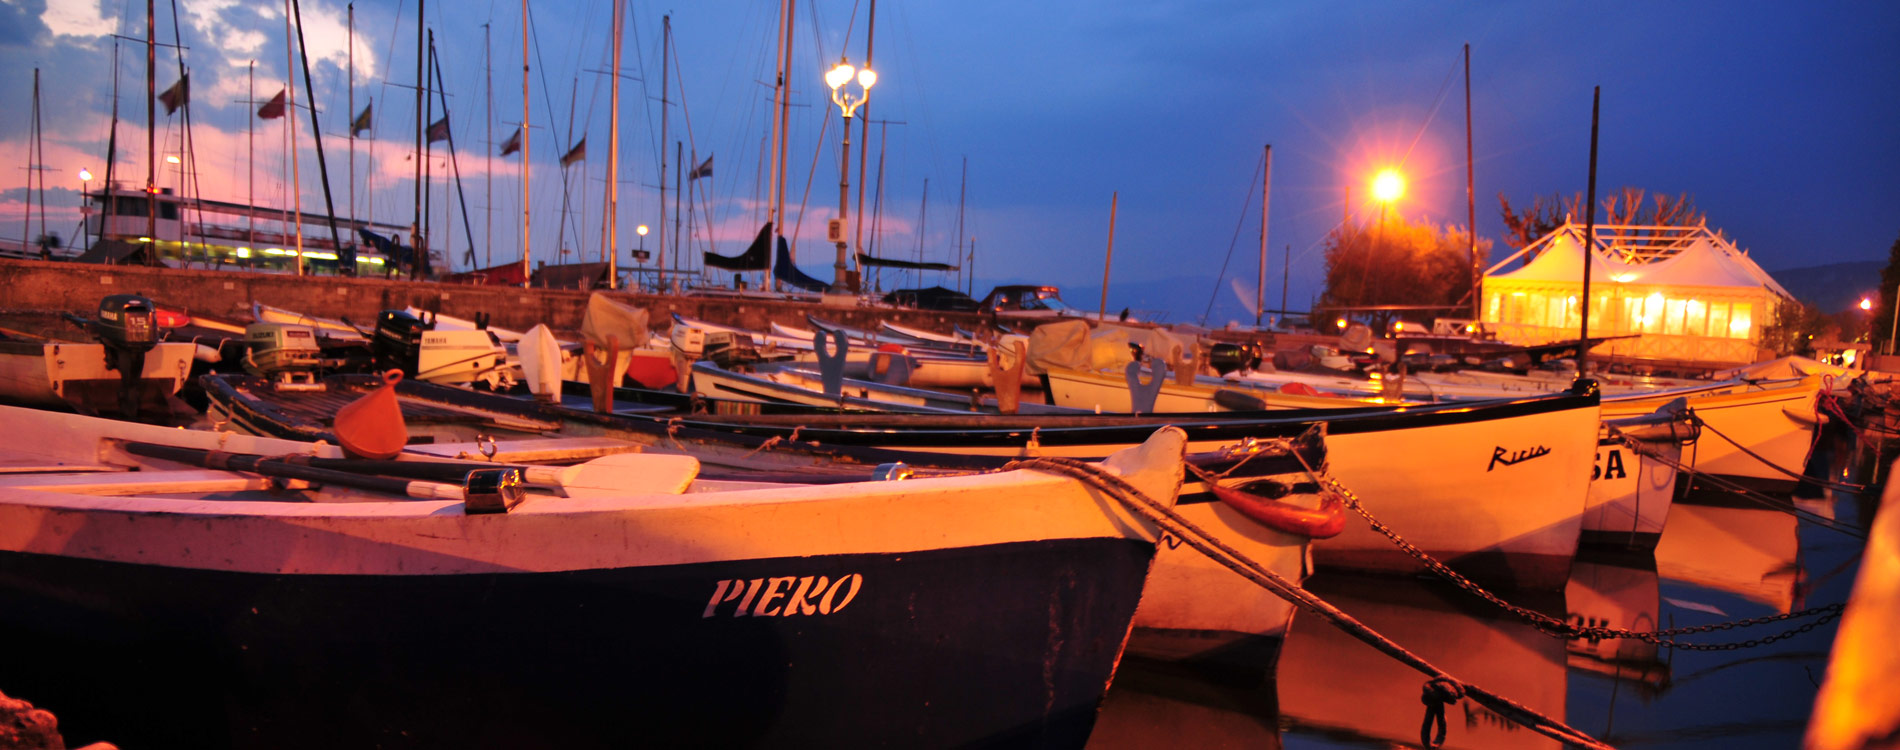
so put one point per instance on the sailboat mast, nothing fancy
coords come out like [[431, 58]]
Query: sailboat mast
[[679, 166], [426, 87], [26, 226], [526, 163], [250, 167], [612, 209], [1589, 237], [666, 57], [350, 57], [1108, 258], [415, 225], [1471, 194], [784, 125], [1260, 278], [864, 139], [151, 131], [963, 188], [296, 180], [488, 138]]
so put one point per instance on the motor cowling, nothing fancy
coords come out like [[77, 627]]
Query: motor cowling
[[126, 327], [398, 341]]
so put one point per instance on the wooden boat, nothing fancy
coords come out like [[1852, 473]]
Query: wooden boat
[[1632, 487], [1497, 489], [1104, 392], [1774, 420], [1190, 593], [984, 609], [796, 384], [125, 369]]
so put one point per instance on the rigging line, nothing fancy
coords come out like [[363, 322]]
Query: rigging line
[[534, 30], [686, 113], [1245, 206], [810, 173], [902, 12], [1436, 105]]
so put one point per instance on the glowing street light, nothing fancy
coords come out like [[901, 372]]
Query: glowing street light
[[838, 78], [172, 159], [640, 255], [1388, 185], [1866, 303], [85, 191]]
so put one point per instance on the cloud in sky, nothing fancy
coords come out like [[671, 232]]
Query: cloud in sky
[[1057, 105]]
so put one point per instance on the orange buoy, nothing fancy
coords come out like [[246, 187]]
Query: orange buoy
[[372, 426]]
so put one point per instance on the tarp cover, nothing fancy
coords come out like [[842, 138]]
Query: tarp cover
[[1790, 367], [606, 317], [1071, 345], [785, 271]]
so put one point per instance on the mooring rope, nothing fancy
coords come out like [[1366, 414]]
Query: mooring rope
[[1842, 486], [1441, 690]]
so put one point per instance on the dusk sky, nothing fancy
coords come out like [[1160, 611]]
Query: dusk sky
[[1782, 120]]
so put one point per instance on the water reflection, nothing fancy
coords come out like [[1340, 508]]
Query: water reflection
[[1713, 564]]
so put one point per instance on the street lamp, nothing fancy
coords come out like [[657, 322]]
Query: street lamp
[[85, 191], [640, 256], [848, 104]]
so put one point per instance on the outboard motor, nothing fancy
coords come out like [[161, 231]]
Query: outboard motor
[[398, 341], [287, 355], [126, 328], [1226, 357], [730, 350]]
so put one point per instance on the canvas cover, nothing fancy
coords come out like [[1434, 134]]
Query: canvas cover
[[1072, 345], [606, 317]]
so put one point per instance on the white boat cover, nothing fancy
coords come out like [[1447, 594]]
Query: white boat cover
[[1071, 345], [605, 317]]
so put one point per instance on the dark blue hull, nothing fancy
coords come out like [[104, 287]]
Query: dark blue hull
[[999, 646]]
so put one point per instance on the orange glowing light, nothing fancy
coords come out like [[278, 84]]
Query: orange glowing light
[[1388, 185], [1866, 304]]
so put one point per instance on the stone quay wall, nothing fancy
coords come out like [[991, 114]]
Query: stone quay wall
[[53, 286]]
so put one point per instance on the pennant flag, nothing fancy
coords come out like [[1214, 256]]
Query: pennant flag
[[439, 130], [703, 170], [272, 109], [577, 153], [513, 143], [361, 123], [177, 96]]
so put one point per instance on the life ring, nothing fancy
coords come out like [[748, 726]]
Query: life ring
[[1325, 522]]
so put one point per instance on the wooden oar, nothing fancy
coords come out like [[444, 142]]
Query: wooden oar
[[481, 490], [618, 474]]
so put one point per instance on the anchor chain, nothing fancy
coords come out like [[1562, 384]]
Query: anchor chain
[[1561, 629]]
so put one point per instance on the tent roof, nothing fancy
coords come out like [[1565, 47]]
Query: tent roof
[[1562, 261], [1702, 263]]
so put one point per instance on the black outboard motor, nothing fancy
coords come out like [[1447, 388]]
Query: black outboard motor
[[125, 326], [1226, 357], [398, 341]]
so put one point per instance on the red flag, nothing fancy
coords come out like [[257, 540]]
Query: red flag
[[513, 143], [439, 130], [272, 109]]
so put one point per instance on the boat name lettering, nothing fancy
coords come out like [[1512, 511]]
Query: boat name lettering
[[1500, 456], [1612, 468], [785, 596]]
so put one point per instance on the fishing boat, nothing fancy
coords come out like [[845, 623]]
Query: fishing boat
[[1634, 481], [282, 612], [1757, 433], [793, 383], [1496, 488]]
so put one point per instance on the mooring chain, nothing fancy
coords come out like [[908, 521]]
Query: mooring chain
[[1561, 629], [1440, 690]]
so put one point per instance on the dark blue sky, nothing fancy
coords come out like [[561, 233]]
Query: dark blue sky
[[1780, 119]]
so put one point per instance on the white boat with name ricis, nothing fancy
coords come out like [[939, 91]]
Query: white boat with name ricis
[[982, 609]]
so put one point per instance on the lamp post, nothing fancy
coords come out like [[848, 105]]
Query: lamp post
[[848, 104], [85, 191], [640, 255]]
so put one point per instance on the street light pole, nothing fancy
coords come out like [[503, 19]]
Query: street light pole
[[848, 105], [85, 190]]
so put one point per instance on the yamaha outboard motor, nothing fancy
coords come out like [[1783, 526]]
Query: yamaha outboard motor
[[126, 328], [398, 341]]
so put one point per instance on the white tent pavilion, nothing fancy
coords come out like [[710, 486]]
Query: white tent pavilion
[[1690, 295]]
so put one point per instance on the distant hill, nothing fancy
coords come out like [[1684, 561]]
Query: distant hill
[[1834, 287]]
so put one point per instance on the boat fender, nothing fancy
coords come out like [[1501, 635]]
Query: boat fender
[[1228, 398], [1141, 396], [1323, 523]]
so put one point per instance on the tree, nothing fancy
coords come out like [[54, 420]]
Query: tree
[[1394, 262], [1883, 307], [1624, 206], [1794, 326]]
